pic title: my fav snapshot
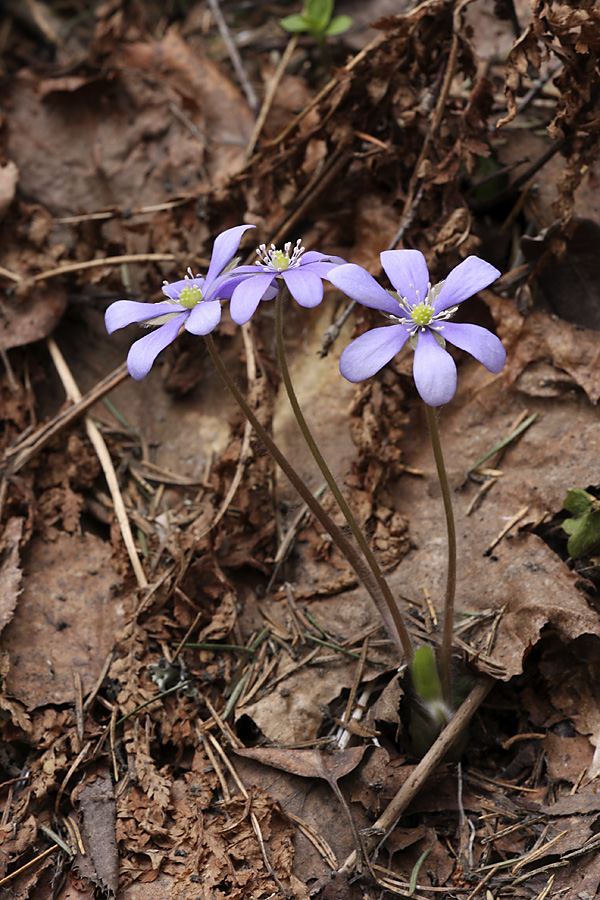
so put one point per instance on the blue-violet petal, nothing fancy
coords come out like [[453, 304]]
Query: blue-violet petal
[[479, 342], [204, 317], [372, 351], [407, 270], [142, 354], [248, 295], [305, 287], [359, 285], [471, 275], [434, 371], [224, 248], [125, 312]]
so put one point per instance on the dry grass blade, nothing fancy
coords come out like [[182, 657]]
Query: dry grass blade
[[101, 449], [18, 456]]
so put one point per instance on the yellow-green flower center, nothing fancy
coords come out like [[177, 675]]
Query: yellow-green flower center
[[280, 260], [421, 313], [189, 296]]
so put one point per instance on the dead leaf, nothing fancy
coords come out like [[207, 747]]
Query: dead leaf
[[65, 621], [569, 271], [9, 175], [96, 800], [29, 318], [308, 763], [10, 570]]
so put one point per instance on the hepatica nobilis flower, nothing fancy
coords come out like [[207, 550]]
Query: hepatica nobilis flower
[[419, 313], [302, 272], [193, 302]]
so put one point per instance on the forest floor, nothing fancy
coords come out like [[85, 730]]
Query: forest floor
[[188, 666]]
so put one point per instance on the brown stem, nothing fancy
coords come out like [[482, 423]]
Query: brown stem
[[342, 543], [446, 651]]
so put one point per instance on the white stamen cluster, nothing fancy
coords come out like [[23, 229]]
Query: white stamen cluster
[[276, 260], [421, 313]]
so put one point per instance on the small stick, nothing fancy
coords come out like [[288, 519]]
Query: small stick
[[270, 94], [413, 784], [362, 54], [516, 518], [234, 55], [101, 449], [27, 865], [93, 263], [16, 457]]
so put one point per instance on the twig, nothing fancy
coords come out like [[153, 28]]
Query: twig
[[6, 273], [516, 518], [234, 55], [101, 449], [537, 86], [112, 213], [106, 261], [28, 865], [93, 693], [16, 457], [307, 196], [407, 217], [270, 94], [332, 333], [387, 821], [339, 76], [290, 536], [12, 381], [72, 769]]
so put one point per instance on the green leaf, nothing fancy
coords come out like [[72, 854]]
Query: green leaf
[[318, 13], [295, 23], [425, 676], [578, 502], [338, 25], [584, 527]]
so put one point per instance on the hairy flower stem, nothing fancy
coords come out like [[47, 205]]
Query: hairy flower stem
[[394, 612], [342, 543], [446, 650]]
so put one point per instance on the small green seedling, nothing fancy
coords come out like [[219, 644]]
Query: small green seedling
[[584, 527], [316, 20], [430, 713]]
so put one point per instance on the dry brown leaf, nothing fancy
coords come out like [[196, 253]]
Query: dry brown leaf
[[96, 800], [9, 175], [331, 766], [10, 570], [65, 621], [31, 317]]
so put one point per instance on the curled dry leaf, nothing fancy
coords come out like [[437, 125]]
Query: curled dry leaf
[[10, 570], [96, 800], [9, 175], [33, 316]]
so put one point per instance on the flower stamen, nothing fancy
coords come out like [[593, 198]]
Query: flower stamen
[[191, 294], [274, 260]]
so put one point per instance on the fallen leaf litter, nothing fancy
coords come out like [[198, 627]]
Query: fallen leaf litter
[[153, 163]]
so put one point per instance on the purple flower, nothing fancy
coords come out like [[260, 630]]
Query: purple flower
[[302, 273], [420, 313], [193, 302]]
